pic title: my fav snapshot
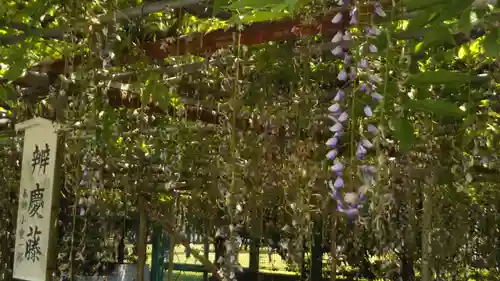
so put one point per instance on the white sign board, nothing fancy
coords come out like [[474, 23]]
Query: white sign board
[[35, 215]]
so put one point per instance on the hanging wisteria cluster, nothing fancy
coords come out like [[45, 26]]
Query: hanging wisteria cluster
[[361, 78], [94, 181]]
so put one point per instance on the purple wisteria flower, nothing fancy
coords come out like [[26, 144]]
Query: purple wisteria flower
[[337, 168], [351, 202], [339, 96], [85, 177], [371, 129]]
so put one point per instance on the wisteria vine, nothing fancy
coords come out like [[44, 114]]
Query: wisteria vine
[[92, 179], [361, 78]]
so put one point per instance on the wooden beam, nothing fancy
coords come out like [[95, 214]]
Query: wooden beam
[[198, 44], [255, 34]]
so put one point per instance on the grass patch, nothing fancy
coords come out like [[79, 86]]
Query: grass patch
[[276, 265], [185, 276]]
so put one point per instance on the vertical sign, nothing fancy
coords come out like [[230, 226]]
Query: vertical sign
[[38, 196]]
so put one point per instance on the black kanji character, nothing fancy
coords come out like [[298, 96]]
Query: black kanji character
[[40, 158], [33, 250], [36, 201]]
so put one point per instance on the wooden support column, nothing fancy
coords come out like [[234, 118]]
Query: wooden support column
[[407, 271], [172, 240], [120, 256], [317, 250], [254, 256], [255, 237], [158, 254], [206, 246], [142, 241], [426, 272], [171, 248], [333, 246], [303, 273]]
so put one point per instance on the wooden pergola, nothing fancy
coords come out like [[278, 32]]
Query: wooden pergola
[[41, 76]]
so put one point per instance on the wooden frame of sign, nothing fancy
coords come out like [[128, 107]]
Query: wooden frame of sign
[[36, 229]]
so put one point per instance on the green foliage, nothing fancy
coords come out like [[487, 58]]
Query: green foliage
[[440, 108], [403, 132], [439, 77], [254, 4], [248, 11], [465, 22], [217, 5], [412, 5], [435, 36], [491, 43]]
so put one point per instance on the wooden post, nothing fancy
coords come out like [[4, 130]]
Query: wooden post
[[206, 247], [303, 274], [142, 241], [317, 250], [172, 241], [158, 254], [255, 237], [171, 251], [333, 246], [426, 230], [254, 256], [35, 252], [407, 271]]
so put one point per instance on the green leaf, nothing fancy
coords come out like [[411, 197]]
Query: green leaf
[[15, 70], [464, 23], [217, 6], [421, 20], [4, 94], [491, 44], [438, 107], [439, 77], [259, 16], [381, 41], [462, 52], [291, 5], [412, 5], [404, 134], [253, 4], [146, 93], [161, 96], [435, 36], [453, 9], [299, 4]]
